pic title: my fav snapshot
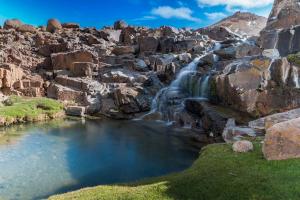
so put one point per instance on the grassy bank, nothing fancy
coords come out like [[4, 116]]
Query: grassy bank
[[21, 109], [218, 174]]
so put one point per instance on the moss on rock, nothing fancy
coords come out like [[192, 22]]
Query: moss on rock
[[294, 59]]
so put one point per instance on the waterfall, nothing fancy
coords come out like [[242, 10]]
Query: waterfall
[[205, 87], [296, 77], [189, 83]]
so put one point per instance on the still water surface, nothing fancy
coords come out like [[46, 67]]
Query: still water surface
[[46, 159]]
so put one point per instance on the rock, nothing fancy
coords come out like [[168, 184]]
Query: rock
[[53, 25], [234, 133], [59, 92], [66, 60], [148, 44], [217, 33], [24, 28], [82, 69], [91, 39], [284, 14], [279, 30], [9, 74], [282, 141], [110, 35], [120, 25], [242, 146], [268, 121], [47, 50], [70, 25], [240, 51], [77, 111], [121, 50], [212, 120], [243, 23], [12, 24]]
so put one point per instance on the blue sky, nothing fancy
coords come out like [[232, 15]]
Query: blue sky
[[152, 13]]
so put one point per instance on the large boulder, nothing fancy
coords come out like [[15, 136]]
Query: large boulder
[[268, 121], [282, 141], [53, 25], [77, 111], [148, 44], [62, 61], [218, 33], [120, 25], [25, 28], [12, 24]]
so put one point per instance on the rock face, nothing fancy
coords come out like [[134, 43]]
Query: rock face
[[282, 141], [243, 23], [285, 14], [280, 31]]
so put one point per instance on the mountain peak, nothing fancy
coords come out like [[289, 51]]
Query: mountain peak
[[243, 23]]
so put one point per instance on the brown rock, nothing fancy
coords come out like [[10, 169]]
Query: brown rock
[[83, 69], [282, 141], [121, 50], [53, 25], [12, 24], [27, 28], [70, 25], [62, 61]]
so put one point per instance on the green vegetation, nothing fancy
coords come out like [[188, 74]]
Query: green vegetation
[[294, 59], [21, 109], [219, 174]]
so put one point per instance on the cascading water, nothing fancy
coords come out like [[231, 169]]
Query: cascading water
[[296, 77], [189, 83]]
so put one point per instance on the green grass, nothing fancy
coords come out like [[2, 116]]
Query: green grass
[[218, 174], [29, 109]]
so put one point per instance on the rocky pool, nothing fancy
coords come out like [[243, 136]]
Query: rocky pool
[[45, 159]]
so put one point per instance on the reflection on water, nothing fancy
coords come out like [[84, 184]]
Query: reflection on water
[[46, 160]]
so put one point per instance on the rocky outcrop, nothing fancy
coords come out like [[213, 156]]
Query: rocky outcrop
[[281, 31], [243, 23]]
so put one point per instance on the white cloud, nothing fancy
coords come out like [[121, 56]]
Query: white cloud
[[168, 12], [236, 3], [215, 15], [145, 18]]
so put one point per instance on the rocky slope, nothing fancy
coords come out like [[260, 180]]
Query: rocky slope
[[123, 72], [243, 23]]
